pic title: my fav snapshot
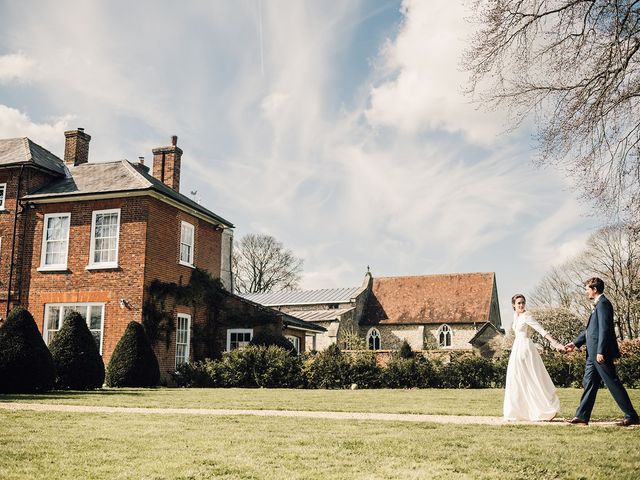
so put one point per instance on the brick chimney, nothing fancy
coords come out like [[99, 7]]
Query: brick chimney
[[166, 164], [76, 147]]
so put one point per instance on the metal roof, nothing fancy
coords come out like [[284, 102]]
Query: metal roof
[[114, 177], [22, 151], [304, 297], [324, 315]]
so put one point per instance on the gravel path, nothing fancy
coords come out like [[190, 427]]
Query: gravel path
[[394, 417]]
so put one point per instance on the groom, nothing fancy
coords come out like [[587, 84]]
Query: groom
[[602, 350]]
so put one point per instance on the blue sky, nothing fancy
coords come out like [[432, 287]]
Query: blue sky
[[337, 127]]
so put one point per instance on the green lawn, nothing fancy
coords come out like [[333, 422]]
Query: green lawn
[[427, 401], [55, 445]]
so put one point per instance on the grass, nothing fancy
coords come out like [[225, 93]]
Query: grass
[[427, 401], [56, 445], [64, 446]]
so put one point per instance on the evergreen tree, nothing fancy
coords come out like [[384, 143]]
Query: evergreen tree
[[79, 365], [26, 365], [133, 363]]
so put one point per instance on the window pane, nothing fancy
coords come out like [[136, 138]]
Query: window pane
[[53, 318], [95, 322]]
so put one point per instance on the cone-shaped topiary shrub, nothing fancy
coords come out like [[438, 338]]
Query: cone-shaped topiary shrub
[[79, 365], [133, 363], [26, 365]]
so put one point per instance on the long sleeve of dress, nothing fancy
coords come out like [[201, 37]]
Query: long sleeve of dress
[[533, 323]]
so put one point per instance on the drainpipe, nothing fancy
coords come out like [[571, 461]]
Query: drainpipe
[[24, 210], [13, 241]]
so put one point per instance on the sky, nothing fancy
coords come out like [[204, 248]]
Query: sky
[[340, 128]]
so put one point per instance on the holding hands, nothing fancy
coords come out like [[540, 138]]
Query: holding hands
[[569, 347]]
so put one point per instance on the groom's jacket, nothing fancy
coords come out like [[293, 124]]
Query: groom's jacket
[[600, 335]]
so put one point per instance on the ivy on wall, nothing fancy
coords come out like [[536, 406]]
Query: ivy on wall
[[202, 291]]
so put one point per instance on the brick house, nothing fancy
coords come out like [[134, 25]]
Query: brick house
[[432, 312], [93, 236]]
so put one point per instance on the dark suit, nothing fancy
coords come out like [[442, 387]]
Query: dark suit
[[600, 338]]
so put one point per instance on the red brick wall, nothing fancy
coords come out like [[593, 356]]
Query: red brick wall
[[163, 247], [77, 284], [31, 180]]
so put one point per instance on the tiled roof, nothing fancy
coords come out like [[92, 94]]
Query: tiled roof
[[324, 315], [114, 177], [430, 299], [304, 297], [22, 151]]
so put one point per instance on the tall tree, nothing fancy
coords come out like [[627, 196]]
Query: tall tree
[[262, 264], [613, 254], [574, 64]]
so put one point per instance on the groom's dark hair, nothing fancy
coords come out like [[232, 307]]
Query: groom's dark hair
[[595, 283]]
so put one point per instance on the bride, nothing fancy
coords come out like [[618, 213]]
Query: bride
[[529, 392]]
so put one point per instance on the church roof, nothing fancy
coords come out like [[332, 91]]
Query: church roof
[[430, 299]]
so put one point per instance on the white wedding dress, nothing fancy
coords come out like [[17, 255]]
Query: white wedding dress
[[529, 392]]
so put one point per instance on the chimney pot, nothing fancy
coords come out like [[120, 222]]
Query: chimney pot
[[174, 140], [141, 160]]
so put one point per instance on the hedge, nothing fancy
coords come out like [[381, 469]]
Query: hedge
[[257, 366]]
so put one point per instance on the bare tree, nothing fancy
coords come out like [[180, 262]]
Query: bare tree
[[613, 254], [574, 65], [262, 264], [562, 324]]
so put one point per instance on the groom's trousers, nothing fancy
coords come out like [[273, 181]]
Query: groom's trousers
[[606, 371]]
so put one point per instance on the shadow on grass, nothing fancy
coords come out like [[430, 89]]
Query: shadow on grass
[[66, 394]]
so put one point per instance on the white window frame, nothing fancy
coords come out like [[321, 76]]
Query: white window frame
[[43, 250], [448, 332], [295, 341], [189, 262], [370, 334], [237, 330], [61, 306], [181, 359], [92, 263], [3, 197]]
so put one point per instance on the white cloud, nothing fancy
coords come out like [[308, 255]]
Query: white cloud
[[14, 123], [15, 66], [423, 81]]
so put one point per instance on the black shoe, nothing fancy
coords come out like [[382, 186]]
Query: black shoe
[[578, 421], [627, 422]]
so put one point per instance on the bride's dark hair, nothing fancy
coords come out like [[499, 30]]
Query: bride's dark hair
[[515, 297]]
